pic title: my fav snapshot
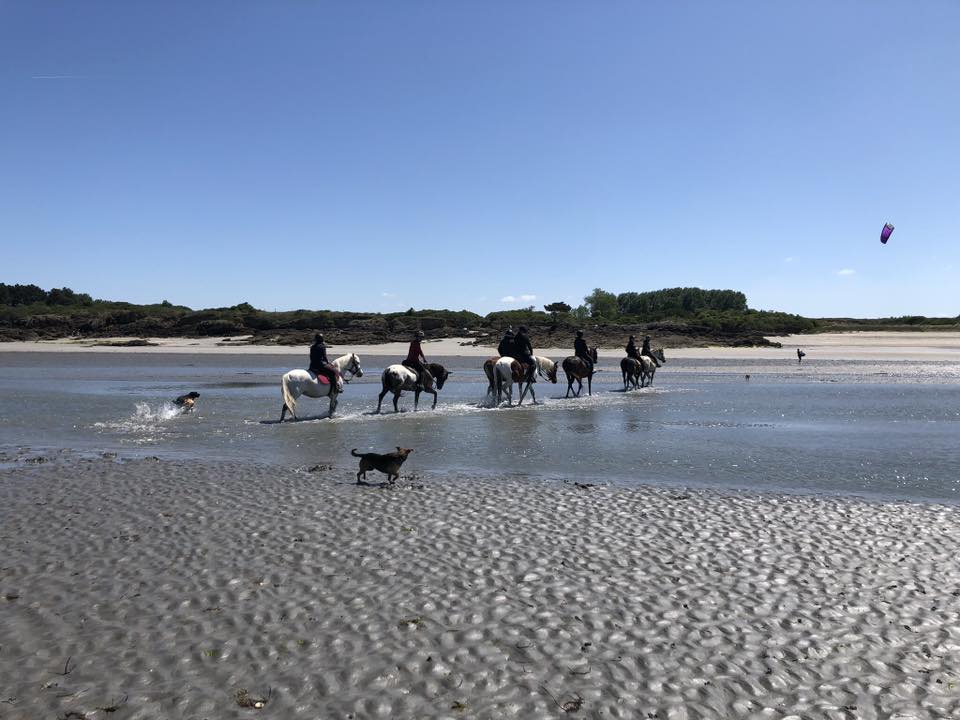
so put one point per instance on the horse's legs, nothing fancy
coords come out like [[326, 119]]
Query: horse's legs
[[590, 384], [396, 399], [569, 386], [434, 393], [333, 404], [416, 399], [382, 395], [283, 412]]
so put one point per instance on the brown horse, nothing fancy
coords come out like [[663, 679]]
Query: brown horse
[[632, 371], [639, 373], [576, 369]]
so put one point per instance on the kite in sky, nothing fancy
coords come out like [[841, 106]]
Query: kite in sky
[[886, 233]]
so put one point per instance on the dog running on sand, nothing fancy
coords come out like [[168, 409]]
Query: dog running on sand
[[187, 402], [388, 463]]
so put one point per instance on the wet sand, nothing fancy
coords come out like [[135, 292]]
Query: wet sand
[[927, 346], [182, 590]]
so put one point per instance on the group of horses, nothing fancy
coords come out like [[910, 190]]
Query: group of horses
[[502, 373]]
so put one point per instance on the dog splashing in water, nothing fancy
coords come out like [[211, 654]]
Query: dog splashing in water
[[187, 402]]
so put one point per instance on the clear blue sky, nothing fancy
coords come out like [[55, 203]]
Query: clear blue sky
[[382, 155]]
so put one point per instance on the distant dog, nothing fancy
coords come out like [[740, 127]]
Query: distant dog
[[388, 463], [186, 402]]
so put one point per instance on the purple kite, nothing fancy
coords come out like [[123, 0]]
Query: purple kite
[[886, 233]]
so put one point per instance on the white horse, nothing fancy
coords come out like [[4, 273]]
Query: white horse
[[303, 382], [649, 367], [505, 371]]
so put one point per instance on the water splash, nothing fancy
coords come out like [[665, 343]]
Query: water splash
[[145, 419]]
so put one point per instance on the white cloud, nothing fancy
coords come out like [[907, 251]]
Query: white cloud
[[788, 260], [387, 294], [518, 298], [846, 271]]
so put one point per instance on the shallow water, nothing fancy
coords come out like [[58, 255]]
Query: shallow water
[[888, 430]]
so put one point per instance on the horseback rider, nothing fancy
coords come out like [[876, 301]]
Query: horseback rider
[[581, 350], [523, 351], [632, 351], [645, 350], [505, 348], [319, 364], [418, 363]]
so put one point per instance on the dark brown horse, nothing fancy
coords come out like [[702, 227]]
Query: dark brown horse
[[398, 378], [632, 371], [576, 369]]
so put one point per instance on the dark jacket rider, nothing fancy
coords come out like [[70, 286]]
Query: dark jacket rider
[[581, 350], [523, 350], [319, 364], [632, 350], [506, 346], [647, 351]]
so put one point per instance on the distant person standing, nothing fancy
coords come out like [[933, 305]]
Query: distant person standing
[[319, 364], [800, 355]]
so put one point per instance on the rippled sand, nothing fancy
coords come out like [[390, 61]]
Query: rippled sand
[[176, 590]]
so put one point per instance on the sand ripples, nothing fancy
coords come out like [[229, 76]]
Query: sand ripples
[[175, 586]]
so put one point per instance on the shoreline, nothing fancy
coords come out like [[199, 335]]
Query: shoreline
[[879, 345], [176, 586]]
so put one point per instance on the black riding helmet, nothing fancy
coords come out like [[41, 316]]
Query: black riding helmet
[[579, 333], [318, 337], [419, 334]]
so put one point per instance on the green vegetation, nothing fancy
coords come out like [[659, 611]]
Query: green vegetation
[[685, 315]]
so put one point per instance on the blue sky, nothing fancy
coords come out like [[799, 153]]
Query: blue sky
[[483, 155]]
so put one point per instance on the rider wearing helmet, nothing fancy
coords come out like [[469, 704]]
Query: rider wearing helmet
[[647, 351], [523, 351], [319, 364], [581, 350], [417, 362], [505, 348]]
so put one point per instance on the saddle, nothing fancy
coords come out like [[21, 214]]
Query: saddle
[[324, 380]]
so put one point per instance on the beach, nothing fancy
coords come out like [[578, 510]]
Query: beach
[[827, 346], [713, 547], [165, 589]]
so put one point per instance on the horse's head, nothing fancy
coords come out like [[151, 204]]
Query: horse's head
[[440, 374], [353, 367], [658, 353], [552, 372], [593, 354]]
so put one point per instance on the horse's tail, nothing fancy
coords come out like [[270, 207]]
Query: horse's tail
[[355, 453], [288, 396]]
